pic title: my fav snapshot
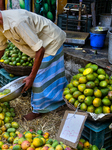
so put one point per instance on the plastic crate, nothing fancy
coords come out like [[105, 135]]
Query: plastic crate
[[98, 133], [100, 5], [5, 78], [72, 23]]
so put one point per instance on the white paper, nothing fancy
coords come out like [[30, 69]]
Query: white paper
[[72, 127]]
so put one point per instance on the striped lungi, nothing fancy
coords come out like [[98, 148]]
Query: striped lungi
[[49, 83]]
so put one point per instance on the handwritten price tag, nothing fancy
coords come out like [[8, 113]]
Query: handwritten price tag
[[71, 128]]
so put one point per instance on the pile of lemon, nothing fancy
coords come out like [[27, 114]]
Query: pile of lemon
[[90, 90], [14, 57]]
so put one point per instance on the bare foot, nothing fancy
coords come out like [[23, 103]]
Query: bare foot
[[31, 116]]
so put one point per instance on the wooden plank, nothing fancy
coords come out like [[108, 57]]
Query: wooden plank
[[60, 6], [32, 5], [6, 4]]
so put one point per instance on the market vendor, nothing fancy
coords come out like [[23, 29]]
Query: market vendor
[[39, 38]]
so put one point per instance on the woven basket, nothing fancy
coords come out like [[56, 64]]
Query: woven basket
[[17, 70], [100, 117]]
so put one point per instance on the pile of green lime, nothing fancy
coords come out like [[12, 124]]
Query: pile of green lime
[[14, 57], [91, 90]]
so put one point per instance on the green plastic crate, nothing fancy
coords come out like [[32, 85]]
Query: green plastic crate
[[98, 133], [5, 78]]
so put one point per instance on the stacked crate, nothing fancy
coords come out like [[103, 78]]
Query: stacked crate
[[98, 133], [5, 77], [100, 6]]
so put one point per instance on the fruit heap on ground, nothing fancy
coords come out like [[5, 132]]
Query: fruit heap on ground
[[31, 140], [85, 145], [91, 90], [7, 125], [14, 57], [12, 139]]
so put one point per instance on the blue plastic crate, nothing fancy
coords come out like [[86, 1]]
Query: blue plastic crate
[[5, 78], [98, 133]]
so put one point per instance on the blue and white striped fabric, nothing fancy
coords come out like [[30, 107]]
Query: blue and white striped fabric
[[49, 83]]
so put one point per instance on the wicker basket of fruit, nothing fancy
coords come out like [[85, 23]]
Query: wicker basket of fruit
[[17, 70], [91, 90], [15, 62]]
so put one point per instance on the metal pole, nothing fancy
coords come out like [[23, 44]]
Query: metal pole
[[79, 18]]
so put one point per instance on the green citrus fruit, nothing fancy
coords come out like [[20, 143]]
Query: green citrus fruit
[[73, 89], [94, 67], [90, 85], [68, 96], [97, 93], [87, 71], [98, 110], [90, 77], [88, 65], [101, 71], [75, 83], [81, 98], [83, 107], [97, 102], [106, 102], [88, 100], [103, 84], [76, 103], [91, 108], [72, 100], [88, 92], [76, 94], [106, 109], [81, 70], [82, 80], [101, 77], [81, 87]]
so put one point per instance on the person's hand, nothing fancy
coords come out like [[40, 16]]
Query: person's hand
[[28, 83], [37, 62]]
